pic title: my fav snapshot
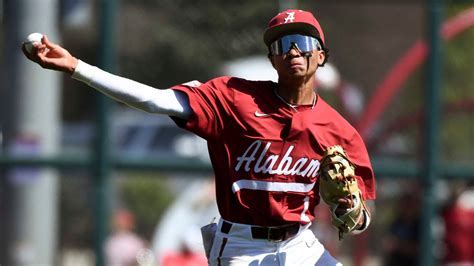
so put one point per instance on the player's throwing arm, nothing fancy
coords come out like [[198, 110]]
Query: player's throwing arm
[[38, 48]]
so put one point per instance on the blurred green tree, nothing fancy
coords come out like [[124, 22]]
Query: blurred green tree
[[147, 197]]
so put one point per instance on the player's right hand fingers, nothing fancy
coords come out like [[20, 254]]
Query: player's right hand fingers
[[65, 64], [48, 44], [45, 61], [46, 41]]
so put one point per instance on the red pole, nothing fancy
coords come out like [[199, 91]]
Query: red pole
[[405, 66]]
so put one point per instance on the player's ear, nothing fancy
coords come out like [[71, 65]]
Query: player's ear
[[321, 57]]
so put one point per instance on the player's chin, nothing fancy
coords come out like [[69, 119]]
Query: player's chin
[[292, 73], [297, 73], [296, 68]]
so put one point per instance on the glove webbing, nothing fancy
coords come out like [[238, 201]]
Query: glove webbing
[[341, 178]]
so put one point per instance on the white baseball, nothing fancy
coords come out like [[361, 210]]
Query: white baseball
[[31, 39]]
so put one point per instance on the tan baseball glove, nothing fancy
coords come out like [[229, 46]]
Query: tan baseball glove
[[337, 181]]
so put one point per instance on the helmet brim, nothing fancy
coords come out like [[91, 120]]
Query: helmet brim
[[275, 32]]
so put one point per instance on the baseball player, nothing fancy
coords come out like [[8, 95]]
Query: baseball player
[[266, 141]]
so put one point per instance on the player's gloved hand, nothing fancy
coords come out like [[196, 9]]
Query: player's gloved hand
[[51, 56], [338, 189]]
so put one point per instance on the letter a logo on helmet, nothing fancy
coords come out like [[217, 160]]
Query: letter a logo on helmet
[[290, 18], [293, 22]]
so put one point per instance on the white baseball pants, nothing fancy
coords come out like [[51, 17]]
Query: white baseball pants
[[238, 247]]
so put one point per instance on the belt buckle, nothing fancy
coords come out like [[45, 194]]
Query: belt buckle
[[275, 234]]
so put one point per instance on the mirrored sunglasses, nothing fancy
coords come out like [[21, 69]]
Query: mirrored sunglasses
[[303, 43]]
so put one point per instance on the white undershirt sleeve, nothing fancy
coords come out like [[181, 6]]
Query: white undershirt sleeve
[[132, 93]]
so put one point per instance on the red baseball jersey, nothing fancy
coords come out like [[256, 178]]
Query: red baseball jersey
[[265, 154]]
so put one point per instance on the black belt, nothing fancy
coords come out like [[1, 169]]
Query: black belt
[[277, 233]]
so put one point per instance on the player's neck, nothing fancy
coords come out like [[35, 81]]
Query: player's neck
[[297, 93]]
